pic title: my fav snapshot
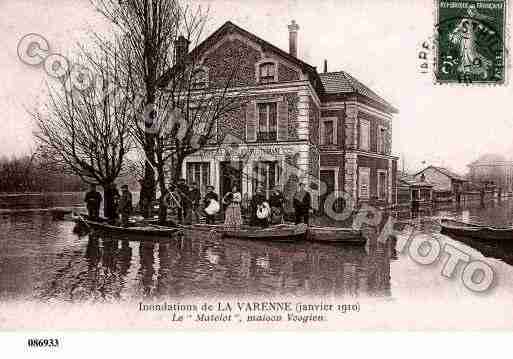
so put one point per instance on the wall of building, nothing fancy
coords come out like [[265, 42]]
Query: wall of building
[[375, 164], [331, 162], [221, 62], [237, 55], [375, 124], [236, 123], [313, 121], [300, 135]]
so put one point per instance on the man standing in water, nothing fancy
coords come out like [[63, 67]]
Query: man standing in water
[[185, 202], [302, 204], [93, 199], [111, 203], [125, 205]]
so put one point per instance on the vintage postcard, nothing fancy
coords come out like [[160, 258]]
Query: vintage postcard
[[255, 165]]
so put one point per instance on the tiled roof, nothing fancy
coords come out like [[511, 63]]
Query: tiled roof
[[411, 181], [446, 172], [342, 82], [451, 174]]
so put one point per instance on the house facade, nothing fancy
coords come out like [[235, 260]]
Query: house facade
[[445, 182], [295, 125]]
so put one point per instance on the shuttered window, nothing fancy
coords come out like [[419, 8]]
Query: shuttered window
[[382, 137], [267, 122], [364, 135], [364, 182], [251, 123], [328, 131], [382, 184]]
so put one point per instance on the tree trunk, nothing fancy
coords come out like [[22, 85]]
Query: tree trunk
[[147, 195], [108, 200], [163, 191], [177, 168]]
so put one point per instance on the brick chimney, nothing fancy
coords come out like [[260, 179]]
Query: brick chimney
[[293, 28], [181, 49], [325, 66]]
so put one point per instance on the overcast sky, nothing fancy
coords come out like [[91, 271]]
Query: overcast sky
[[376, 41]]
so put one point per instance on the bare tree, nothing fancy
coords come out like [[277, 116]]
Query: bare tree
[[187, 118], [86, 132], [148, 28], [16, 174], [180, 110]]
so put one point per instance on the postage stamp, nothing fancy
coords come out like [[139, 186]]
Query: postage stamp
[[471, 42]]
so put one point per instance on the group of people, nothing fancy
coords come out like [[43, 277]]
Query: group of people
[[188, 202], [190, 205], [116, 205], [263, 211]]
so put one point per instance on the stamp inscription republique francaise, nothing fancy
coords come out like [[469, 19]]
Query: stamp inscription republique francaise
[[471, 46]]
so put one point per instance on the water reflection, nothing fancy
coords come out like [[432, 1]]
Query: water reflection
[[495, 212], [190, 266], [42, 258]]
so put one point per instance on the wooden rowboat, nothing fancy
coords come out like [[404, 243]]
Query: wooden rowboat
[[280, 232], [203, 227], [140, 230], [336, 235], [476, 231]]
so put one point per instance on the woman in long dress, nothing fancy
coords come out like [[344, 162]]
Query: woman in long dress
[[233, 217]]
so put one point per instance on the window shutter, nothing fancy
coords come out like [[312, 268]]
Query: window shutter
[[251, 125], [283, 120]]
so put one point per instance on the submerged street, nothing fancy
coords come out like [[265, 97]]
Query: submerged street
[[41, 259]]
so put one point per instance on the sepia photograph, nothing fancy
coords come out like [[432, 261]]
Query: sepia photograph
[[255, 165]]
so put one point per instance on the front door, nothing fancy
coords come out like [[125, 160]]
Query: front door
[[328, 178], [231, 175]]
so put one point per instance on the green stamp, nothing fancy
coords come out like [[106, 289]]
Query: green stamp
[[471, 42]]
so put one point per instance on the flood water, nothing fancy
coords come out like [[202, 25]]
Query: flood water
[[41, 259]]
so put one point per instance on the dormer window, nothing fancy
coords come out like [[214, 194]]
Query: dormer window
[[266, 71], [199, 78]]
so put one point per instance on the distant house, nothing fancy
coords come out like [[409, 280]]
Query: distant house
[[492, 169], [445, 182], [410, 189]]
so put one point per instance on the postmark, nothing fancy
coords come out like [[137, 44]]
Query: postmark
[[470, 38]]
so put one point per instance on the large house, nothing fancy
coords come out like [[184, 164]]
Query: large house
[[327, 129]]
